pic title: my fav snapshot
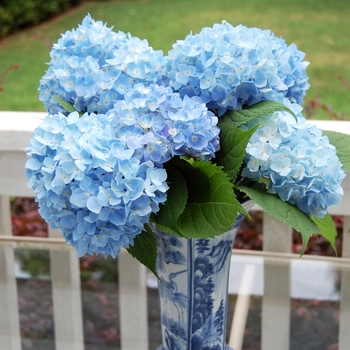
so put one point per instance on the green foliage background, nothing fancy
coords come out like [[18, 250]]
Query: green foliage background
[[17, 14]]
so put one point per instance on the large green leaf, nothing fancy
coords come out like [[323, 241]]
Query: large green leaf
[[342, 144], [328, 229], [233, 145], [145, 249], [256, 111], [283, 211], [212, 207], [166, 218]]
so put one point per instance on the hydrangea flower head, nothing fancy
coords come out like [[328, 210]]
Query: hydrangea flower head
[[90, 184], [92, 66], [99, 177], [160, 124], [300, 164], [229, 67]]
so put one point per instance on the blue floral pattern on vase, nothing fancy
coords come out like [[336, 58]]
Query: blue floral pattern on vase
[[193, 289]]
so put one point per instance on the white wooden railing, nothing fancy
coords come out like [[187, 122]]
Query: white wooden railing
[[15, 132]]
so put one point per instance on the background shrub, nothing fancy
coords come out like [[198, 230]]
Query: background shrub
[[18, 14]]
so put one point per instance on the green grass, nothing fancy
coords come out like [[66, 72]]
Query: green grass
[[319, 28]]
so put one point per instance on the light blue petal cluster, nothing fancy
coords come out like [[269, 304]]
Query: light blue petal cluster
[[90, 184], [229, 67], [92, 66], [300, 164], [159, 124]]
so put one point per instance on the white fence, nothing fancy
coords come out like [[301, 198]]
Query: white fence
[[15, 132]]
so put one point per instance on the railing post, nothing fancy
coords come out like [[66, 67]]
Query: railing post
[[133, 303], [10, 338], [240, 315], [344, 321], [66, 293], [275, 324]]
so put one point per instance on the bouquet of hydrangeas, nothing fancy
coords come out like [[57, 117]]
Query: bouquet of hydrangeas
[[133, 137]]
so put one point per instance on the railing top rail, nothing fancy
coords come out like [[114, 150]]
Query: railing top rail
[[16, 129]]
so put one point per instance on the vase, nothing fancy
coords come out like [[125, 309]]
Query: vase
[[193, 289]]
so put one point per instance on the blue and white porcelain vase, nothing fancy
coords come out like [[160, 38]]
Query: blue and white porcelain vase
[[193, 289]]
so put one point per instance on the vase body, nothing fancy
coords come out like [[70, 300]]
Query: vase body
[[193, 290]]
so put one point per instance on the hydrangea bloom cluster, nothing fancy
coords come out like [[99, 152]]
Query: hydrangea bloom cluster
[[99, 177], [157, 121], [229, 67], [300, 164], [90, 185], [92, 66]]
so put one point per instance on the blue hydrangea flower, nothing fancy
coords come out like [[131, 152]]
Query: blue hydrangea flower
[[229, 67], [92, 66], [297, 161], [159, 124], [90, 184]]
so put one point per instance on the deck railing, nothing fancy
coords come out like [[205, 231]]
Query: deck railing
[[15, 132]]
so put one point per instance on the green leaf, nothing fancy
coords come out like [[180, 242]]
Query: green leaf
[[283, 211], [256, 111], [233, 144], [328, 229], [212, 206], [166, 218], [66, 105], [145, 249], [342, 144]]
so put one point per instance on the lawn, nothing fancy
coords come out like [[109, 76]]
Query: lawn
[[319, 28]]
